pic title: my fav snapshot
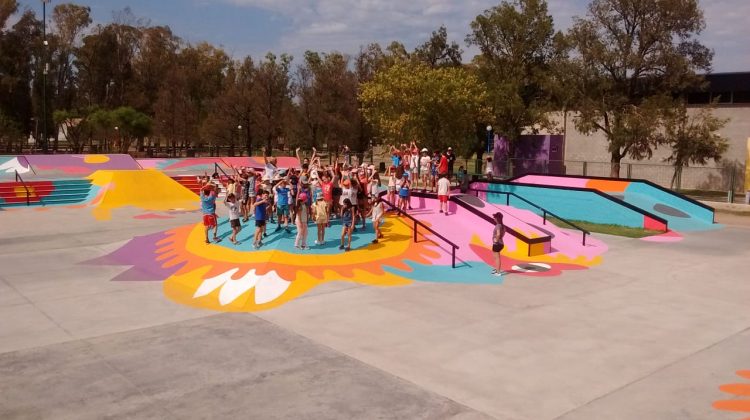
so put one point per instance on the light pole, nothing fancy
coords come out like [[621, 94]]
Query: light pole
[[45, 145], [489, 137], [239, 139], [119, 139]]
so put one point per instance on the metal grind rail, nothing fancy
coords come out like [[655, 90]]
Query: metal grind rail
[[417, 223], [544, 211], [25, 187]]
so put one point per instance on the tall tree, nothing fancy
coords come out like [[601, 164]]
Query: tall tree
[[694, 138], [519, 49], [438, 51], [272, 92], [70, 20], [633, 56], [435, 107]]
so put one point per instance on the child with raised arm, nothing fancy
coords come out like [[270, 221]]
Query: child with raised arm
[[282, 205], [260, 207], [301, 219], [348, 214], [377, 211], [234, 216], [320, 214], [208, 208]]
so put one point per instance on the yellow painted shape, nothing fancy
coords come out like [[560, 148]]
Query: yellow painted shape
[[195, 245], [536, 249], [304, 272], [96, 159], [21, 192], [521, 253], [146, 189]]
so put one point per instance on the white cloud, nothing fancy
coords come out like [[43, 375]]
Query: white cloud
[[345, 25]]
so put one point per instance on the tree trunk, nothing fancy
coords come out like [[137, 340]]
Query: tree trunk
[[615, 165]]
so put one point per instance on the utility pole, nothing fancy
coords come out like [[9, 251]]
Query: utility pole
[[45, 69]]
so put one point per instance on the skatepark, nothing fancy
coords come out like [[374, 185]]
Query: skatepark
[[114, 305]]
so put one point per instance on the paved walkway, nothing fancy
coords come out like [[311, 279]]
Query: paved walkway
[[651, 333]]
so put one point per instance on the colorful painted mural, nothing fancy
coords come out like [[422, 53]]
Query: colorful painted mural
[[9, 165], [197, 166], [738, 398], [51, 166], [144, 189], [573, 204], [226, 277], [681, 213]]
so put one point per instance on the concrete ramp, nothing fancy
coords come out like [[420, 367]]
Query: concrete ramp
[[144, 189]]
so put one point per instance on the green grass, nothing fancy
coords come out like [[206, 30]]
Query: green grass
[[616, 230]]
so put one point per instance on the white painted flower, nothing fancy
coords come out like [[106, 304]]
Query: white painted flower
[[13, 165], [268, 287]]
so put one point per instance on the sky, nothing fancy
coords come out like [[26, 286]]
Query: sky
[[254, 27]]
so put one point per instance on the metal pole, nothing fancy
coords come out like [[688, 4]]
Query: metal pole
[[415, 231], [45, 143], [454, 257]]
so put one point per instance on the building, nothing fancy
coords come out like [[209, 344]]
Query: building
[[731, 90]]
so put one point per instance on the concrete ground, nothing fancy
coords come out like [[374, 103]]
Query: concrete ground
[[649, 334]]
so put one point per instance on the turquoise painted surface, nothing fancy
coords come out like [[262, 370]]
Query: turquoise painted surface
[[570, 204], [647, 197]]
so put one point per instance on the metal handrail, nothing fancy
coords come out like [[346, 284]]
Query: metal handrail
[[545, 212], [418, 223], [218, 168], [25, 187]]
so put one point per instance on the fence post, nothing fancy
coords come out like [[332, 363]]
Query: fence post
[[584, 167], [630, 170], [730, 194], [679, 180]]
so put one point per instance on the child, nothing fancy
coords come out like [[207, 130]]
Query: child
[[488, 169], [391, 173], [348, 213], [425, 165], [282, 205], [497, 242], [403, 192], [234, 217], [208, 208], [320, 213], [260, 207], [443, 187], [377, 211], [301, 221]]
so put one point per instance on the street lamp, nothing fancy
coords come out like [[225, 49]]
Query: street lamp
[[489, 137], [45, 145]]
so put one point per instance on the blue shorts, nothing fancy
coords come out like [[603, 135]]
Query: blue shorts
[[282, 210], [403, 193]]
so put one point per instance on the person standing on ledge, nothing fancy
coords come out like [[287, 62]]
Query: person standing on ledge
[[497, 243], [208, 208]]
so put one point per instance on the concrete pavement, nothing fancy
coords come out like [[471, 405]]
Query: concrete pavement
[[650, 333]]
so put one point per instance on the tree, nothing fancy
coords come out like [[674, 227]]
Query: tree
[[272, 92], [437, 107], [438, 52], [75, 125], [70, 20], [694, 139], [131, 125], [633, 55], [519, 51]]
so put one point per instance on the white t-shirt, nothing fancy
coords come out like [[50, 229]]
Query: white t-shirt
[[377, 211], [443, 186], [424, 164], [270, 172], [234, 211]]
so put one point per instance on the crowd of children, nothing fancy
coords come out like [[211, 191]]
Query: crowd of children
[[314, 193]]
